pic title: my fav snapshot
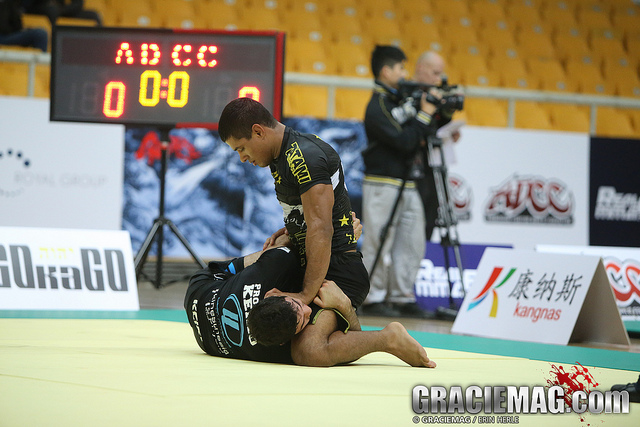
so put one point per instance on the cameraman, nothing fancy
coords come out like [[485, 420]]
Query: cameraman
[[395, 133], [430, 70]]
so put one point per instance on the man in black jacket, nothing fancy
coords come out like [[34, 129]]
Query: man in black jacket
[[396, 133], [11, 29]]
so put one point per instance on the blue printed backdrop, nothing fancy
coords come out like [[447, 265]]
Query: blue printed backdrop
[[223, 207]]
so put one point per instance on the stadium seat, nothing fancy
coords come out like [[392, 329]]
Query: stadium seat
[[535, 42], [176, 14], [135, 14], [486, 112], [606, 42], [352, 60], [559, 13], [304, 25], [306, 56], [217, 15], [258, 17], [348, 7], [487, 12], [570, 43], [342, 27], [530, 115], [548, 74], [626, 18], [634, 114], [414, 10], [613, 122], [42, 83], [568, 117], [351, 103], [450, 11], [498, 36], [421, 35], [511, 72], [460, 32], [308, 101], [523, 13], [589, 77], [15, 79], [593, 15]]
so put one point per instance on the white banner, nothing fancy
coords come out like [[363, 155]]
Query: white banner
[[64, 269], [66, 175], [520, 187], [548, 298], [623, 269]]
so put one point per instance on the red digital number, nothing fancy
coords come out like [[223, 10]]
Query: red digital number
[[249, 92], [181, 55]]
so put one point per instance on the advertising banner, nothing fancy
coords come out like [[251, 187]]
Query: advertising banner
[[547, 298], [65, 175], [623, 269], [432, 283], [66, 269], [614, 207], [521, 187]]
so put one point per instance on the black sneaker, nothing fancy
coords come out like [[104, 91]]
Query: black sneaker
[[413, 310], [632, 388], [379, 309]]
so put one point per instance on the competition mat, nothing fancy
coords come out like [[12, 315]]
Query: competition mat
[[145, 369]]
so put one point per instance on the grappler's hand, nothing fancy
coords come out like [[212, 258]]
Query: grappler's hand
[[357, 227], [277, 239], [331, 296]]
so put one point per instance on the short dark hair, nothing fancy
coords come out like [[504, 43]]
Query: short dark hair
[[273, 321], [385, 55], [240, 115]]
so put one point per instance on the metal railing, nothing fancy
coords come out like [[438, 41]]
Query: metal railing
[[334, 82]]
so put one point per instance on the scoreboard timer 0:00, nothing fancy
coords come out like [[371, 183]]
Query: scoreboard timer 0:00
[[161, 77]]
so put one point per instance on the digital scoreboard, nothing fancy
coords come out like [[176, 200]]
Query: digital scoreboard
[[161, 77]]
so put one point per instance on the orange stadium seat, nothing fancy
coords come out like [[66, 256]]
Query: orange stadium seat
[[548, 74], [306, 56], [42, 83], [487, 12], [511, 72], [634, 114], [568, 117], [461, 32], [176, 14], [304, 25], [626, 18], [414, 10], [589, 77], [486, 112], [15, 79], [351, 103], [379, 8], [348, 7], [613, 122], [352, 60], [135, 13], [606, 42], [530, 115], [523, 13], [570, 43], [421, 35], [261, 18], [217, 15], [342, 26], [303, 100], [450, 11], [497, 36], [557, 13], [593, 15], [535, 42]]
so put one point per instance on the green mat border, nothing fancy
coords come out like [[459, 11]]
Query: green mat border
[[545, 352]]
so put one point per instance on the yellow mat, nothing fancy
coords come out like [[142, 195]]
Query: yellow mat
[[82, 372]]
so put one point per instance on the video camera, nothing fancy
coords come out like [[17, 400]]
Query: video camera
[[451, 100]]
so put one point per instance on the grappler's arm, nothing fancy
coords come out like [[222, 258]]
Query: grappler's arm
[[331, 296]]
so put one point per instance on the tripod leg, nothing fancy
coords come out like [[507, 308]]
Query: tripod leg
[[158, 282], [141, 257], [186, 244]]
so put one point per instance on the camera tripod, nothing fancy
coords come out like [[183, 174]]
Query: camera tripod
[[157, 229], [446, 223]]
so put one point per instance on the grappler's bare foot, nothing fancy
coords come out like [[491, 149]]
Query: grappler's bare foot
[[405, 347]]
